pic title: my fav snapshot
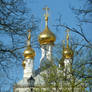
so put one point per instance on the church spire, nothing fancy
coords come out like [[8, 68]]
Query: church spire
[[29, 38], [67, 38], [67, 51], [63, 42], [29, 52], [46, 37], [46, 15]]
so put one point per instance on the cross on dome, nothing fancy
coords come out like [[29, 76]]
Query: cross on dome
[[46, 9], [29, 38], [46, 15], [67, 37]]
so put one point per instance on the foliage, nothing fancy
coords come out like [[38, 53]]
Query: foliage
[[80, 74]]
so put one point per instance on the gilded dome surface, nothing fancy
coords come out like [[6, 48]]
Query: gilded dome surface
[[68, 53], [29, 53], [46, 37]]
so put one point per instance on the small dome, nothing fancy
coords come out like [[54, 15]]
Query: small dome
[[68, 53], [46, 37], [29, 53]]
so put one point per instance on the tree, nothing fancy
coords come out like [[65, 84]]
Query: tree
[[54, 75], [14, 23], [83, 64], [56, 80], [51, 75]]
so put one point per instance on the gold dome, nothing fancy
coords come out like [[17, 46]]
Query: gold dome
[[29, 53], [46, 37], [68, 53]]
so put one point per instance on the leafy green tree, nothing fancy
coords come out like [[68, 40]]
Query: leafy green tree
[[54, 77]]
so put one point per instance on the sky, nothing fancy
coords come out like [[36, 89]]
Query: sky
[[57, 8]]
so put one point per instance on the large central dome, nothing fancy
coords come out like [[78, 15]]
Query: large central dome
[[46, 37]]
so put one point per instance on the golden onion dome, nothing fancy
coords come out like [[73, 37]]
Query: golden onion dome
[[46, 37], [68, 53], [29, 52]]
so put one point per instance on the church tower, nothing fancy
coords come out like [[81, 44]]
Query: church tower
[[67, 55], [28, 63], [46, 40]]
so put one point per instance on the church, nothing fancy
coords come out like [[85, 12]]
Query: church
[[32, 79]]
